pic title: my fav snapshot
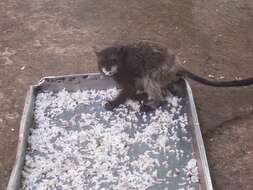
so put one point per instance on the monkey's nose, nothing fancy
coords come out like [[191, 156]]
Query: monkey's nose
[[108, 67]]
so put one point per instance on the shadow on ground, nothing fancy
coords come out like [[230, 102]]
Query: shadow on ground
[[213, 38]]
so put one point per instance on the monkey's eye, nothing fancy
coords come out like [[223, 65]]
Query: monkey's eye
[[113, 61]]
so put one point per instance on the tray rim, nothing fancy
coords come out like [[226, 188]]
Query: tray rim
[[14, 179], [199, 139]]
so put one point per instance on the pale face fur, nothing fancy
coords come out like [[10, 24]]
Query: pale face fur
[[110, 71]]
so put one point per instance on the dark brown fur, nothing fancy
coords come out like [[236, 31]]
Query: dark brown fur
[[144, 71], [139, 67]]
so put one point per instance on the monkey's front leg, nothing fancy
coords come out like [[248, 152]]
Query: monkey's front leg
[[120, 99]]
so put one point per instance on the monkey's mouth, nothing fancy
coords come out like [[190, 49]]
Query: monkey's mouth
[[110, 72]]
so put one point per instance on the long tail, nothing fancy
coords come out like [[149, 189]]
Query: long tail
[[233, 83]]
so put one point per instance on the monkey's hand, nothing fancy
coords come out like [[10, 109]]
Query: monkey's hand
[[109, 106]]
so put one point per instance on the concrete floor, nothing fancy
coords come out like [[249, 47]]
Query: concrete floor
[[213, 38]]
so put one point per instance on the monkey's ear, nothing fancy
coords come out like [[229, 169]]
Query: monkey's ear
[[120, 49]]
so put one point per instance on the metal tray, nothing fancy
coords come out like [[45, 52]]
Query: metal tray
[[91, 81]]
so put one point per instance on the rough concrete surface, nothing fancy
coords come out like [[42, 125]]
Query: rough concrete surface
[[213, 38]]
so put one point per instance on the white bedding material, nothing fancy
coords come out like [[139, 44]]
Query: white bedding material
[[72, 149]]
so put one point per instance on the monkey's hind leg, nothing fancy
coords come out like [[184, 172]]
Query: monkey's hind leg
[[155, 96], [140, 97], [177, 88]]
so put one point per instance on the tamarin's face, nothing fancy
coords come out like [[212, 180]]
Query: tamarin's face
[[109, 60]]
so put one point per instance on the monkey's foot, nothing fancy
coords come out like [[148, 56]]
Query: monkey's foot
[[163, 103], [109, 106], [146, 108], [140, 97]]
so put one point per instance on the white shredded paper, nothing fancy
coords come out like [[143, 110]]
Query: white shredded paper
[[77, 144]]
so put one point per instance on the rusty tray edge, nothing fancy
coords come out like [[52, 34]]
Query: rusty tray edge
[[14, 180], [25, 123]]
